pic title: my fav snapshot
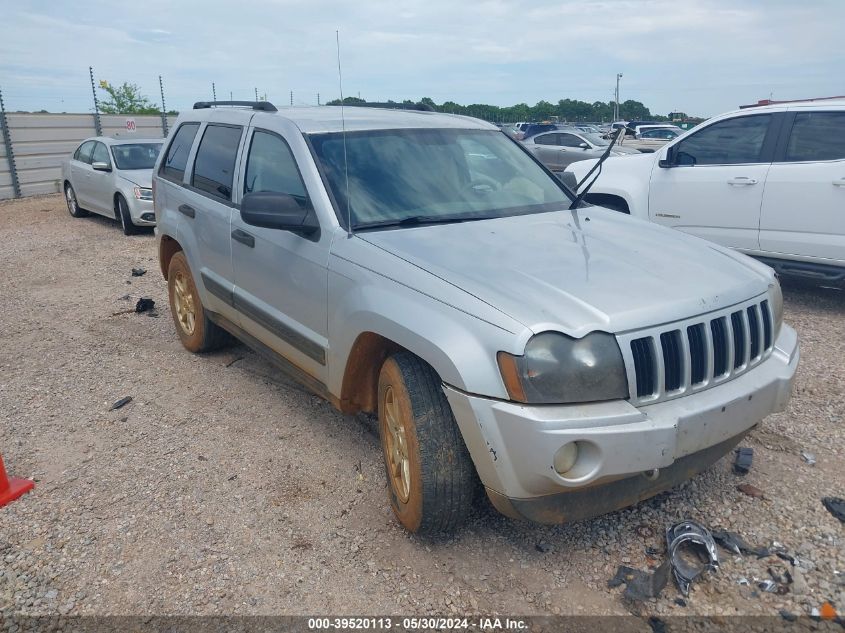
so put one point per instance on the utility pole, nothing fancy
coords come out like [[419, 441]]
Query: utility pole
[[213, 92], [318, 98], [616, 103], [256, 94], [291, 97]]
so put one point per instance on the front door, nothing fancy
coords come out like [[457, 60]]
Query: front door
[[281, 278], [714, 188]]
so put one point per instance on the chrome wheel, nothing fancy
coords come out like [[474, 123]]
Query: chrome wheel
[[184, 304], [398, 464], [70, 198]]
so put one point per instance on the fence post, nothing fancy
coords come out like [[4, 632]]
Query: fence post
[[97, 125], [163, 108], [10, 155]]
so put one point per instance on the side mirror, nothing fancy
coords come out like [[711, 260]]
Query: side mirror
[[273, 210], [101, 166], [667, 157], [583, 146]]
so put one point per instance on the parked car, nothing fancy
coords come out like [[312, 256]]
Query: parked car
[[424, 268], [649, 138], [532, 129], [557, 149], [768, 181], [112, 177]]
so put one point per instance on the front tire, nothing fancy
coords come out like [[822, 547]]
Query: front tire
[[430, 475], [125, 217], [72, 203], [196, 331]]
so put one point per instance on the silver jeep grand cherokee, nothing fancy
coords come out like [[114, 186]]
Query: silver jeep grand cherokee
[[426, 268]]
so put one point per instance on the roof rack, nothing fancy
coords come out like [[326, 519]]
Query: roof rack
[[266, 106], [419, 107]]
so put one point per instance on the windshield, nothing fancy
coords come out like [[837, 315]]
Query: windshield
[[135, 155], [433, 175]]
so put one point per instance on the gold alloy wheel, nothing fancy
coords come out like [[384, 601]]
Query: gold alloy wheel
[[183, 300], [398, 464]]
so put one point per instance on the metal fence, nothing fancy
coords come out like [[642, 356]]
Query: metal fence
[[38, 143]]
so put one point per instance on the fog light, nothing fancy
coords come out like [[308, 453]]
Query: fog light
[[148, 217], [566, 457]]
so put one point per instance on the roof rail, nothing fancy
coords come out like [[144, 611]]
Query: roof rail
[[266, 106], [419, 107]]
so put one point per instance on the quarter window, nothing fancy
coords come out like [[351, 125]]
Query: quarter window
[[214, 166], [83, 154], [271, 167], [101, 154], [174, 163], [729, 142], [816, 136]]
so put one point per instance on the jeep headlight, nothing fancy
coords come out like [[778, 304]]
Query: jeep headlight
[[777, 306], [558, 369]]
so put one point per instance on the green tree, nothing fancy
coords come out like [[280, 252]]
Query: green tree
[[125, 99]]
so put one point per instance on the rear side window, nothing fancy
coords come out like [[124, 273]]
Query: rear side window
[[729, 142], [545, 139], [214, 166], [83, 154], [174, 163], [816, 136], [272, 167]]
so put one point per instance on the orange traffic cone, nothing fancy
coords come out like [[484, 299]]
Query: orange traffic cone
[[11, 489]]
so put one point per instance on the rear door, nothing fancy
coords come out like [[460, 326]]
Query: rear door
[[545, 148], [281, 278], [804, 202], [714, 189]]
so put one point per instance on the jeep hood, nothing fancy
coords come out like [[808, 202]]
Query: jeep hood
[[579, 271]]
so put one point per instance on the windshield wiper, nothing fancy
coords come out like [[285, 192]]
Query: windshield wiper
[[602, 158], [419, 220]]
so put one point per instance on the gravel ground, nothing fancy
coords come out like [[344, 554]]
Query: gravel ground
[[222, 488]]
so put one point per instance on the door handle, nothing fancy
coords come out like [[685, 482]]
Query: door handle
[[185, 209], [243, 237], [742, 180], [839, 183]]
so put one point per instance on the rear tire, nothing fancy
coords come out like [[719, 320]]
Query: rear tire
[[196, 331], [431, 478], [72, 204], [125, 217]]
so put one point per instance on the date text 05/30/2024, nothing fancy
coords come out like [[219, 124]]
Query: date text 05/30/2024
[[417, 624]]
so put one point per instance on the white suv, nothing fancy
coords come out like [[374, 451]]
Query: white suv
[[768, 181]]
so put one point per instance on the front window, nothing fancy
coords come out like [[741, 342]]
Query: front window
[[727, 142], [433, 175], [596, 139], [135, 155]]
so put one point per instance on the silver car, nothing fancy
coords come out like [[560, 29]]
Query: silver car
[[424, 268], [112, 177], [558, 149]]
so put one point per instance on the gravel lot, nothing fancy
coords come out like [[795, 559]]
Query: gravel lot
[[223, 488]]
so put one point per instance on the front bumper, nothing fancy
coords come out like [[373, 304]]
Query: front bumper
[[142, 212], [513, 445]]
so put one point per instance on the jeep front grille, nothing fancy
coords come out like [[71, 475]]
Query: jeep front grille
[[678, 358]]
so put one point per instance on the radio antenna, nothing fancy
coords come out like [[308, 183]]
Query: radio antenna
[[343, 129]]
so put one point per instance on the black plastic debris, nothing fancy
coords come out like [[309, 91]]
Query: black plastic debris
[[122, 402], [657, 625], [836, 506], [641, 585], [787, 615], [543, 547], [137, 272], [780, 574], [144, 304], [680, 602], [733, 542], [692, 551], [742, 462]]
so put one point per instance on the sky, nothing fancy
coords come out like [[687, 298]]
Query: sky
[[701, 57]]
